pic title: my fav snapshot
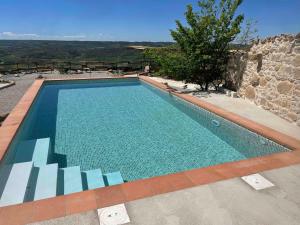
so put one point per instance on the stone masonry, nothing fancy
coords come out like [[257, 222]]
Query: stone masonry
[[271, 78]]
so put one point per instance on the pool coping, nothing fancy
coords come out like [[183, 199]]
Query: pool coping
[[92, 199]]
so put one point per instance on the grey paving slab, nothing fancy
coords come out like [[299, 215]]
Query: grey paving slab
[[86, 218], [226, 202]]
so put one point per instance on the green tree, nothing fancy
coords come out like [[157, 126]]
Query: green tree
[[206, 38], [168, 61]]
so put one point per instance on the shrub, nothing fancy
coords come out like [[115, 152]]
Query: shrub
[[168, 61]]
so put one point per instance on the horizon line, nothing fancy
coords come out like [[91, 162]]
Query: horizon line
[[82, 40]]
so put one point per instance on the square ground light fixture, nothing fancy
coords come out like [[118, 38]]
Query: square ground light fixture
[[257, 181], [113, 215]]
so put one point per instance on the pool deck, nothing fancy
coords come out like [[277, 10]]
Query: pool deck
[[89, 200], [230, 202]]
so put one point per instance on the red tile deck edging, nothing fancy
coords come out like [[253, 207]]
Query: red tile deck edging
[[92, 199], [13, 121]]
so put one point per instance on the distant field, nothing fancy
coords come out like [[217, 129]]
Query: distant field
[[17, 51]]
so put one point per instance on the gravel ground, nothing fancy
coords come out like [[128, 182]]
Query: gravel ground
[[10, 96]]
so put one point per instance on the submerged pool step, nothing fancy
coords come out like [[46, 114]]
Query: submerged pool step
[[46, 184], [24, 181], [16, 184], [93, 179], [113, 178], [33, 150], [72, 180]]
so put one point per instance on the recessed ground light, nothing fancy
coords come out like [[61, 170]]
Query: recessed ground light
[[257, 181], [113, 215]]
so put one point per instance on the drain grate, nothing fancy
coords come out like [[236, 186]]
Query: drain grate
[[113, 215], [257, 181]]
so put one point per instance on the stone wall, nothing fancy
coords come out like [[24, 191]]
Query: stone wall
[[271, 76]]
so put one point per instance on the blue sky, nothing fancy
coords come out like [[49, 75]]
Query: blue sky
[[126, 20]]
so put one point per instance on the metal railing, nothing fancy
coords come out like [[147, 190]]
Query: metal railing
[[65, 66]]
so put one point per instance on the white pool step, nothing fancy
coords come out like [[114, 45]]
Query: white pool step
[[25, 181], [16, 185], [72, 181], [114, 178], [94, 179], [46, 183], [33, 150]]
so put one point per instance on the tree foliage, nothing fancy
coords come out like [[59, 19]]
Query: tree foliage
[[168, 61], [205, 40]]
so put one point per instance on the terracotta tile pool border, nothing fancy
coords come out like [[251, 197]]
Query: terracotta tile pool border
[[92, 199], [14, 120]]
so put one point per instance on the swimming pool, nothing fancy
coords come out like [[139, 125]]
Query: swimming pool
[[129, 126]]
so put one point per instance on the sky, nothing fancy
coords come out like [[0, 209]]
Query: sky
[[126, 20]]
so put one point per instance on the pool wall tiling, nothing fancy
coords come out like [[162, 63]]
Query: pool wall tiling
[[101, 197]]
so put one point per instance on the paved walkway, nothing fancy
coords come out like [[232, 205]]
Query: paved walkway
[[227, 202], [10, 96]]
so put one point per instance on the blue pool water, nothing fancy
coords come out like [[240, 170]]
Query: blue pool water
[[132, 127]]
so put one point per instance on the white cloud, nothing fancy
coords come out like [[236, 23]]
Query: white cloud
[[79, 36], [72, 37], [9, 34], [31, 35]]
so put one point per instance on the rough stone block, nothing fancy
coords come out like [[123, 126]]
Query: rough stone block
[[297, 73], [297, 60], [262, 81], [297, 93], [292, 116], [255, 81], [250, 92], [284, 87], [297, 50]]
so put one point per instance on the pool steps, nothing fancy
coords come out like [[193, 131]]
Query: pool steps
[[35, 179], [16, 184], [33, 150], [72, 180], [93, 179], [113, 178], [46, 183]]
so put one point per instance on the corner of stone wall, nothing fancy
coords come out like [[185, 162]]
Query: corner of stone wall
[[271, 78]]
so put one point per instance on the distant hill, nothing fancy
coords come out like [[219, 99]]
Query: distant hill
[[19, 51]]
